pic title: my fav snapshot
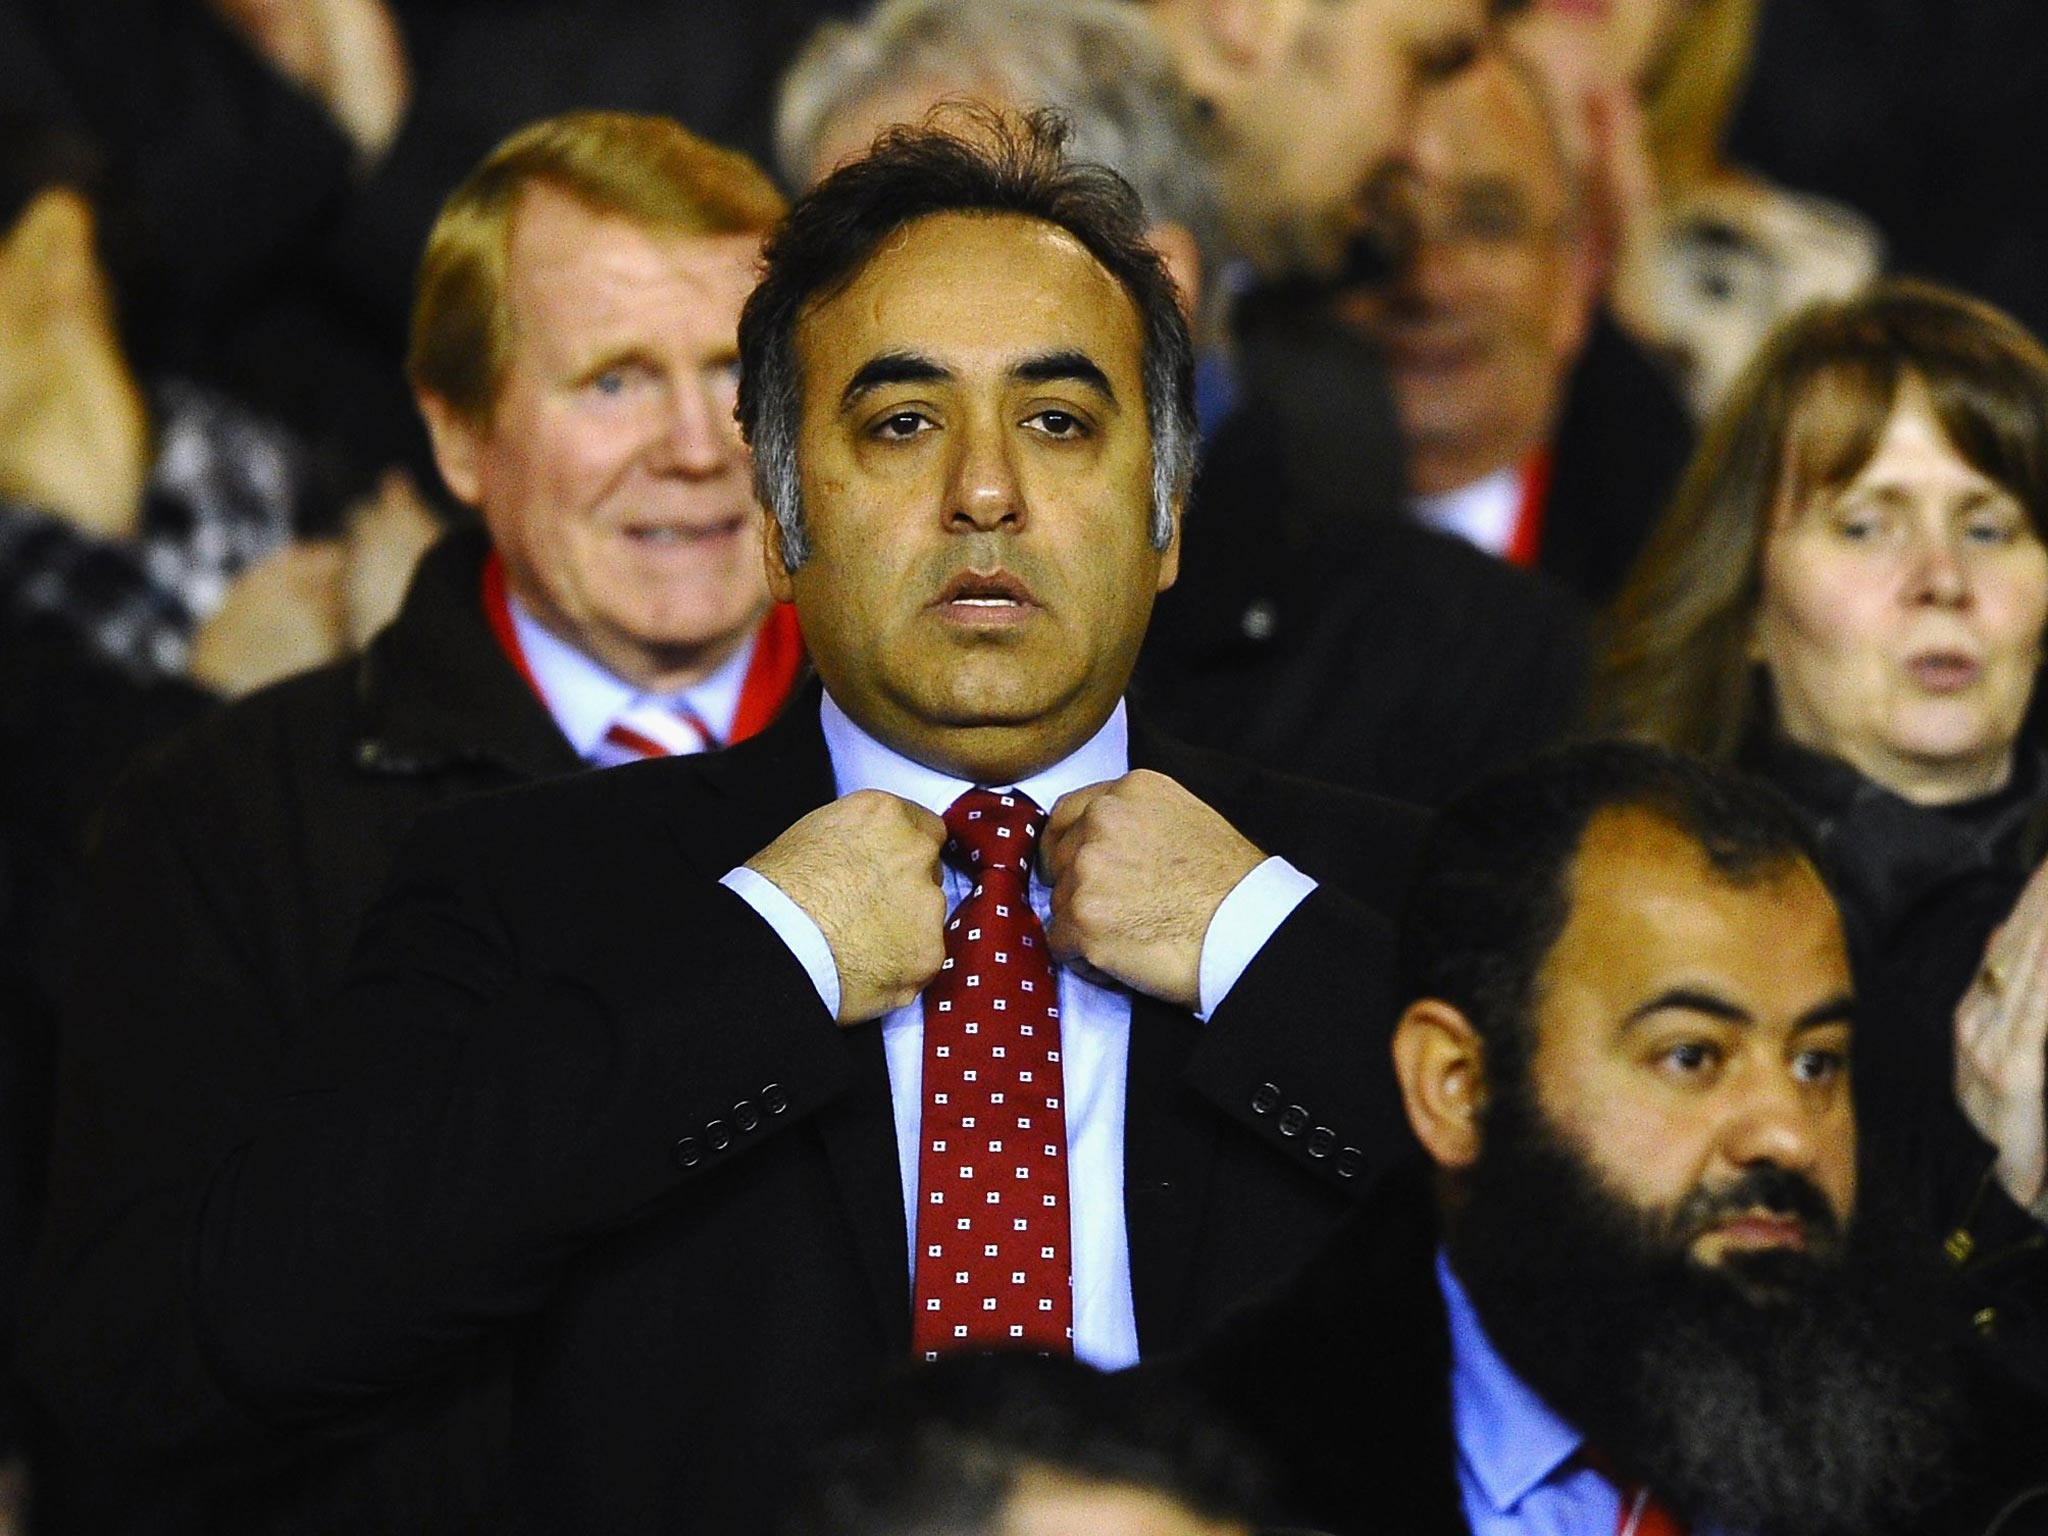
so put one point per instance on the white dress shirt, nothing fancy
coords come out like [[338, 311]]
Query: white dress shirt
[[1095, 1019], [1483, 514], [586, 698]]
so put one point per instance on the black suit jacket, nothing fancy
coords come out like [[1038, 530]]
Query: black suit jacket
[[228, 882], [579, 1094], [1357, 649], [1621, 442]]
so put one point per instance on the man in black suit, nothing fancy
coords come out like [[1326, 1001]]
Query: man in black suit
[[1640, 1288], [585, 1091]]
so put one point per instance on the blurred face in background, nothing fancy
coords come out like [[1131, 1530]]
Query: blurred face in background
[[1630, 36], [1902, 614], [610, 471], [1313, 100], [1490, 309]]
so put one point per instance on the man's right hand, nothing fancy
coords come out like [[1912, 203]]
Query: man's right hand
[[865, 869]]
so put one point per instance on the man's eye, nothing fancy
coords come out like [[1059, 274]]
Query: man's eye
[[1819, 1066], [1059, 424], [1438, 59], [611, 382], [900, 424], [1691, 1057]]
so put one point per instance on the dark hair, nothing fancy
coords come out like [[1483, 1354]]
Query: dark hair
[[944, 1445], [986, 162], [1804, 417], [1492, 890]]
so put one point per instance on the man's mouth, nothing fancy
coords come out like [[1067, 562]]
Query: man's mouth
[[1758, 1229], [1768, 1210], [979, 599], [668, 535], [1430, 354]]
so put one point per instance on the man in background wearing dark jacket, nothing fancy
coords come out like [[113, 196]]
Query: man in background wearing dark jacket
[[573, 352]]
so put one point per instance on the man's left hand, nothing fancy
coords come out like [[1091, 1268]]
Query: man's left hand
[[1138, 867]]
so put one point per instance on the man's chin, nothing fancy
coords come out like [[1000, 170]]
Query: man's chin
[[1764, 1275]]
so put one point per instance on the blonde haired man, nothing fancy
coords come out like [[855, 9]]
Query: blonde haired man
[[574, 354]]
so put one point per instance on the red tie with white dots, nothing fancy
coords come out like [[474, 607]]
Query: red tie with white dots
[[993, 1269]]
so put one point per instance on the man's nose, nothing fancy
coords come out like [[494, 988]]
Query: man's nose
[[1438, 266], [696, 438], [982, 492], [1778, 1120]]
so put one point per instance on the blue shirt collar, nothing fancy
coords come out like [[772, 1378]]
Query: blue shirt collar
[[861, 762], [585, 698], [1508, 1437]]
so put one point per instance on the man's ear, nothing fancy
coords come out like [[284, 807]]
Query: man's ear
[[1441, 1065], [780, 586], [1169, 558], [52, 246], [458, 447], [1176, 246], [1579, 303]]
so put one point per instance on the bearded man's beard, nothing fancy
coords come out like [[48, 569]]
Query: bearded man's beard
[[1783, 1392]]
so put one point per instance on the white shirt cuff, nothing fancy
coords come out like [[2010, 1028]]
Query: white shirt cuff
[[806, 940], [1246, 919]]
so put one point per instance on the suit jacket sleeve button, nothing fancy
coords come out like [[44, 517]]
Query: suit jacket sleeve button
[[718, 1134], [1265, 1099], [1350, 1163], [773, 1099], [1322, 1141], [689, 1152], [745, 1115], [1293, 1120]]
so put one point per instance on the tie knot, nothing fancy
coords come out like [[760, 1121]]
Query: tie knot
[[992, 830]]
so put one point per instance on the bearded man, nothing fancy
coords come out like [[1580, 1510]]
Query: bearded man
[[1640, 1296]]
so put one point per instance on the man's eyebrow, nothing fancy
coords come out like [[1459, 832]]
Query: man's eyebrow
[[1840, 1009], [1069, 365], [625, 354], [1689, 1000], [891, 368]]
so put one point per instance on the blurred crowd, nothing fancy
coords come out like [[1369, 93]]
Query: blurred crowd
[[1568, 370]]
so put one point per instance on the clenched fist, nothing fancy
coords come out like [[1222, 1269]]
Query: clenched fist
[[1138, 867], [865, 869]]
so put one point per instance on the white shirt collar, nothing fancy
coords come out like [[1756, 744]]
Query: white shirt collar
[[585, 698], [1483, 513], [861, 762]]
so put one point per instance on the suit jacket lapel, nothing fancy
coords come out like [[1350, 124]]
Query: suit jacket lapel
[[1169, 1134], [768, 783]]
